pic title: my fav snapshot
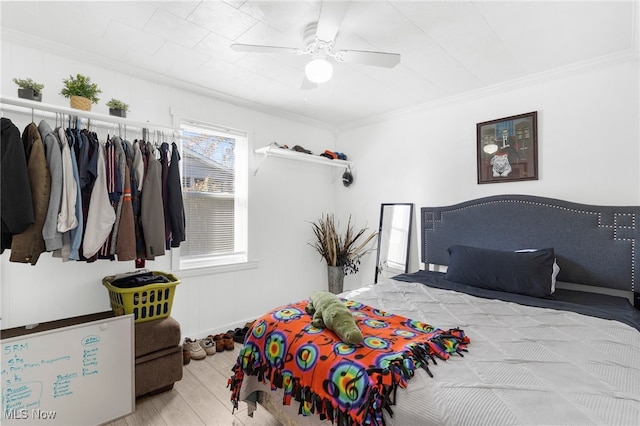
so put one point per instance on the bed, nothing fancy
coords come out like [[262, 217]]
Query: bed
[[543, 346]]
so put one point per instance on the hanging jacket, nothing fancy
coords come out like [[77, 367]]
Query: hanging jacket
[[113, 193], [133, 153], [126, 236], [67, 219], [119, 172], [164, 163], [151, 209], [122, 246], [52, 237], [138, 165], [101, 215], [15, 204], [74, 137], [64, 251], [87, 162], [88, 171], [27, 246], [176, 206]]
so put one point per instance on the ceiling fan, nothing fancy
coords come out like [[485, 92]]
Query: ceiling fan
[[318, 39]]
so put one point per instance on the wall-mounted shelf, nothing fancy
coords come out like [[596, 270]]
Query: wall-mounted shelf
[[26, 106], [273, 151]]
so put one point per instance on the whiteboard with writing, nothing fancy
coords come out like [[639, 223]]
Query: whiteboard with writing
[[77, 375]]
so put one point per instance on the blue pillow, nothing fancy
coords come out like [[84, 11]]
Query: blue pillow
[[527, 273]]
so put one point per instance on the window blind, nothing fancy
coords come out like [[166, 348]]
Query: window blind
[[209, 192]]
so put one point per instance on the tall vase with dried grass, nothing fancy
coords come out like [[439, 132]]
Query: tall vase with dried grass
[[341, 252]]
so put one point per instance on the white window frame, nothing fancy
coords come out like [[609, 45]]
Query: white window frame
[[238, 259]]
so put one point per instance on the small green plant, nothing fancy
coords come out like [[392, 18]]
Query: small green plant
[[28, 84], [117, 104], [80, 86]]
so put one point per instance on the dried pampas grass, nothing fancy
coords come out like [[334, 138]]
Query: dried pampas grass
[[338, 250]]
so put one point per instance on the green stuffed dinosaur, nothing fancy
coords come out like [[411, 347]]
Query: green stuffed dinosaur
[[329, 311]]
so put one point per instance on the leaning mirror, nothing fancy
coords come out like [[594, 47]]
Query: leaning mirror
[[394, 236]]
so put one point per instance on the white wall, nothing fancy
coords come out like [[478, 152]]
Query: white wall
[[283, 198], [588, 136], [588, 152]]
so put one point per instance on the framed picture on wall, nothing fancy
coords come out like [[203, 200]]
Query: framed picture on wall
[[508, 149]]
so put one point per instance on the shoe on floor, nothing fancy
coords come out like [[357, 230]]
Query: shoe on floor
[[239, 334], [227, 339], [195, 350], [217, 339], [208, 346], [186, 355]]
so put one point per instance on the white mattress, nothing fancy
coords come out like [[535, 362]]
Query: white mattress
[[525, 365]]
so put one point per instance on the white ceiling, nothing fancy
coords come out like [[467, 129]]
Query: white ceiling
[[448, 47]]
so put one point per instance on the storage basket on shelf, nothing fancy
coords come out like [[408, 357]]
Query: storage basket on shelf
[[146, 302], [81, 103]]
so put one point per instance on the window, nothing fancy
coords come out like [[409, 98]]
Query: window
[[214, 182]]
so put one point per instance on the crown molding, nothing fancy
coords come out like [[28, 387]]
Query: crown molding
[[630, 55]]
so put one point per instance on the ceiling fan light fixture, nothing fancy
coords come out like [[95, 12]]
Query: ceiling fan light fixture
[[318, 70]]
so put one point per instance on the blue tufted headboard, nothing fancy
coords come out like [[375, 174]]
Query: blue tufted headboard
[[594, 245]]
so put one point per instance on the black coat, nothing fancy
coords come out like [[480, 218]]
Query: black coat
[[16, 207], [176, 206]]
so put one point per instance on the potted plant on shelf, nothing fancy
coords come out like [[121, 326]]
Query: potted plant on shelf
[[29, 89], [117, 108], [341, 252], [81, 91]]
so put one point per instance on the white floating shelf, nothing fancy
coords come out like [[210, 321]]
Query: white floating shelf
[[24, 105], [299, 156]]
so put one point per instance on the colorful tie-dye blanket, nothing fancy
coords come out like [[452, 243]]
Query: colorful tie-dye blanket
[[346, 384]]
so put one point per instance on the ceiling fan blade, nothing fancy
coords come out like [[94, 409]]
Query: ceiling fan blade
[[308, 84], [265, 49], [332, 14], [377, 59]]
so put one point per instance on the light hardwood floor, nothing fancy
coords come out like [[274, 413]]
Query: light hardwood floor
[[200, 398]]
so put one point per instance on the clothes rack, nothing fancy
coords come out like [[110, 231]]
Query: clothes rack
[[101, 213]]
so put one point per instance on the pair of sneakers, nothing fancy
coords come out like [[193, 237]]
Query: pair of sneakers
[[208, 345], [197, 349]]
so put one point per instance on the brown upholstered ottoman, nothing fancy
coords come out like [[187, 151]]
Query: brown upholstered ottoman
[[158, 355]]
